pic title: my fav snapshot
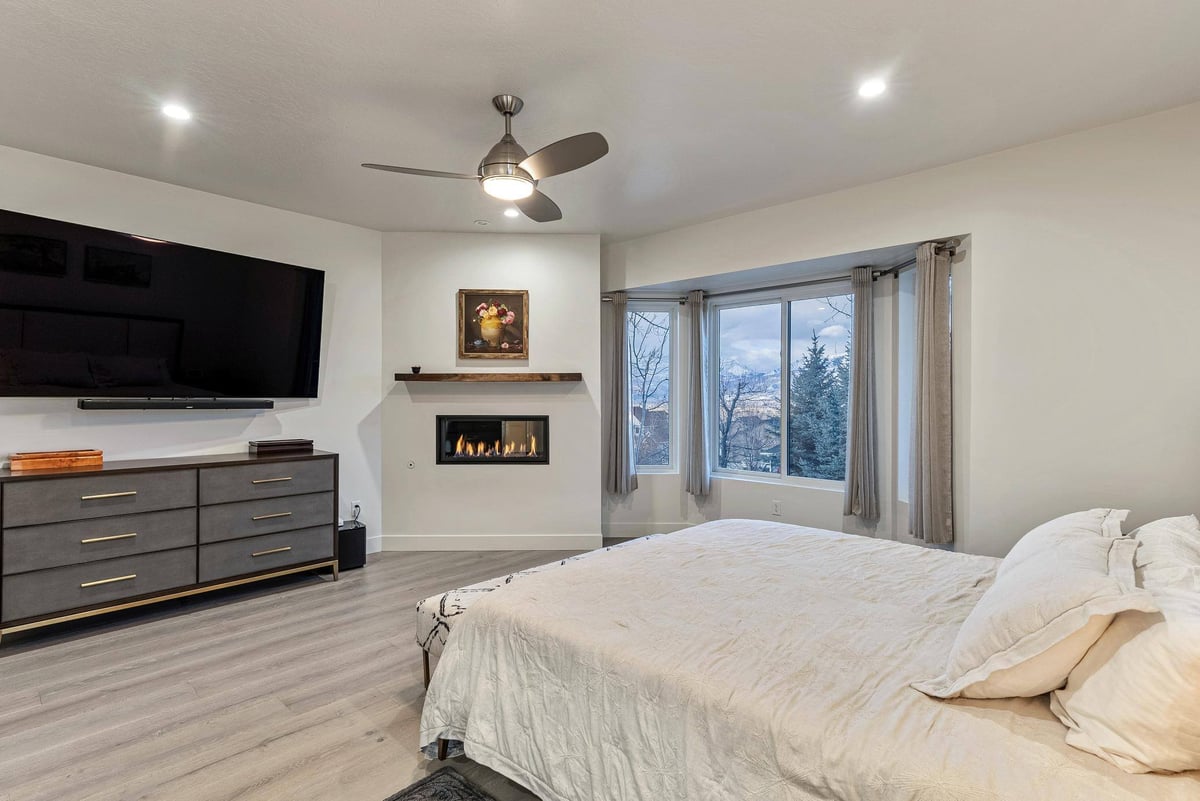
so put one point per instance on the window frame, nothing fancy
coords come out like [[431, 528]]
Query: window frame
[[671, 308], [766, 297]]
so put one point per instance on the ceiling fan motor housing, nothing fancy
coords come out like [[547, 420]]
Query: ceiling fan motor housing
[[503, 159]]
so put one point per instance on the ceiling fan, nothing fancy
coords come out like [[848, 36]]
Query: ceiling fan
[[507, 172]]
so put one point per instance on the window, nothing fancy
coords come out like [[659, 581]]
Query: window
[[819, 386], [748, 388], [650, 332], [811, 336]]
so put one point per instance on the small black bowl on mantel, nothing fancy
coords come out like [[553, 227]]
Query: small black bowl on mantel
[[416, 368]]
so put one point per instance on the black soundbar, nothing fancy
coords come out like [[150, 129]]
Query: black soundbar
[[113, 404]]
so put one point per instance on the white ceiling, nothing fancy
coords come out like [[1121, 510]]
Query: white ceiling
[[710, 107]]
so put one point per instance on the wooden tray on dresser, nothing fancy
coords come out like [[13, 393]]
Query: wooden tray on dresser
[[55, 460]]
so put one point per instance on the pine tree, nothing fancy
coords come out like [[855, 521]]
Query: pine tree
[[817, 414], [809, 387], [840, 422]]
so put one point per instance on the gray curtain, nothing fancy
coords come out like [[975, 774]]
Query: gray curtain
[[931, 508], [695, 438], [621, 478], [862, 494]]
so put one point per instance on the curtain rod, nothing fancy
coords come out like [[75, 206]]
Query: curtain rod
[[950, 245], [836, 279]]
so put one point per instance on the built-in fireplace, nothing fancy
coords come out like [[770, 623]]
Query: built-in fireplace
[[484, 439]]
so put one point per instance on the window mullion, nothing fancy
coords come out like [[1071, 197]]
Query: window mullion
[[714, 385], [784, 384]]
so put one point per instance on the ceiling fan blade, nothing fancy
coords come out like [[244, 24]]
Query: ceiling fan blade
[[565, 155], [415, 171], [539, 208]]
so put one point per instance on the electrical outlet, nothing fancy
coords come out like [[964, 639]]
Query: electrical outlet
[[777, 508], [355, 509]]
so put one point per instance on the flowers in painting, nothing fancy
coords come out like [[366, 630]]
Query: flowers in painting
[[495, 311]]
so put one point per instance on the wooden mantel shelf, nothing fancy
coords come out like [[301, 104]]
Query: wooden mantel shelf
[[489, 377]]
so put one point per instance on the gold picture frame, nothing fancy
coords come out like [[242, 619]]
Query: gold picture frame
[[493, 324]]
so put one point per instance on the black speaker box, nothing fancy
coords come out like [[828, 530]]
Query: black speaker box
[[352, 546]]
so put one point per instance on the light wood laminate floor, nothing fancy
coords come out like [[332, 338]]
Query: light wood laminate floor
[[303, 689]]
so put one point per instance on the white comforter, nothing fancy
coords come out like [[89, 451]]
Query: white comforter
[[745, 660]]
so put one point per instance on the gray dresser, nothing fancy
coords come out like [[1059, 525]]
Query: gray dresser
[[77, 543]]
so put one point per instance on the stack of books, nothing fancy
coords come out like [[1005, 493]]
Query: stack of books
[[264, 447]]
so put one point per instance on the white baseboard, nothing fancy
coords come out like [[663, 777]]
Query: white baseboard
[[491, 542], [639, 529], [374, 544]]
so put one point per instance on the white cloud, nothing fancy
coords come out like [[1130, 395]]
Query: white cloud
[[834, 332]]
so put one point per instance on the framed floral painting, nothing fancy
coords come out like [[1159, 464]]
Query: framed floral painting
[[493, 324]]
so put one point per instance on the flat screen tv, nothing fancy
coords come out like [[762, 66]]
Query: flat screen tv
[[86, 312]]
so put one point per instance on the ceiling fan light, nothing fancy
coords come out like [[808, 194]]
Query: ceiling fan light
[[507, 187]]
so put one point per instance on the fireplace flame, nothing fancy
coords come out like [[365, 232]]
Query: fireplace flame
[[464, 448]]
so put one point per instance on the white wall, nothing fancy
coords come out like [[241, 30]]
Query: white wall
[[345, 419], [1076, 380], [493, 506]]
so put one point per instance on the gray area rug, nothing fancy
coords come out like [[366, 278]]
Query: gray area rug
[[445, 785]]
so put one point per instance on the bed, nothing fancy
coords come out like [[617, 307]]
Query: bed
[[749, 660]]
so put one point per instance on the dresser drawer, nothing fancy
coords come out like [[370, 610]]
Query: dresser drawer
[[51, 500], [56, 544], [61, 588], [229, 521], [237, 557], [270, 480]]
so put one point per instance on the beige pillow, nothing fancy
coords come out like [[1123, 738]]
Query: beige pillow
[[1135, 698], [1040, 617]]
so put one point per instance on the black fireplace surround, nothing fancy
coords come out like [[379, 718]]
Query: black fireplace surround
[[493, 439]]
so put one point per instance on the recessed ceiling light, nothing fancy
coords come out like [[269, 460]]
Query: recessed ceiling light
[[511, 213], [872, 88], [176, 111], [481, 222]]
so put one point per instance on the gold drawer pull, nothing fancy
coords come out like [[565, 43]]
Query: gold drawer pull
[[270, 516], [272, 550], [130, 577], [109, 538], [270, 480], [125, 494]]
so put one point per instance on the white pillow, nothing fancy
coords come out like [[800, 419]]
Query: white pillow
[[1040, 617], [1052, 534], [1168, 552], [1135, 698]]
